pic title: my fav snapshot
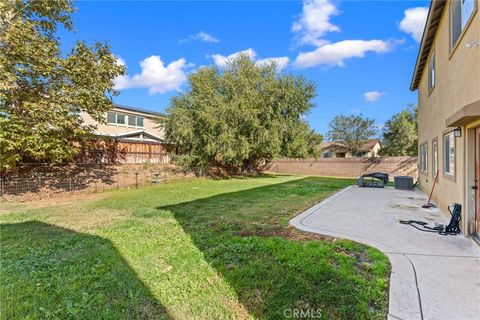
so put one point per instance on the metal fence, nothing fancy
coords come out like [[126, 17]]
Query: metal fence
[[44, 186]]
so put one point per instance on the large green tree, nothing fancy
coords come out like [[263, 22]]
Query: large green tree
[[240, 118], [42, 90], [400, 134], [352, 131]]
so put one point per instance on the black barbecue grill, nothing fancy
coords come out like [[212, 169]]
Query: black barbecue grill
[[373, 180]]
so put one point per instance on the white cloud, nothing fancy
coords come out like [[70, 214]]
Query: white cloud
[[156, 76], [201, 36], [372, 96], [221, 60], [413, 22], [281, 62], [120, 61], [314, 22], [335, 54], [206, 37], [121, 82]]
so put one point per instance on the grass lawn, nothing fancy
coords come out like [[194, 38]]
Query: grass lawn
[[194, 249]]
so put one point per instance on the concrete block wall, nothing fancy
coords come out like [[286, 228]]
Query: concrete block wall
[[347, 167]]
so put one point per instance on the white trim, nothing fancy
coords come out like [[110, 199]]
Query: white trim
[[451, 139], [136, 113], [130, 133]]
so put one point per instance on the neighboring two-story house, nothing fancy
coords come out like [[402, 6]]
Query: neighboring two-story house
[[136, 133], [369, 149], [129, 124], [447, 77]]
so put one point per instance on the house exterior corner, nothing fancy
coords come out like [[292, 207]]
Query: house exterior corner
[[447, 76]]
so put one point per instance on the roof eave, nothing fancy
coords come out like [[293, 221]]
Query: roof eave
[[433, 19], [139, 110]]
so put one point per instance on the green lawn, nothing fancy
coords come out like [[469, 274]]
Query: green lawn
[[194, 249]]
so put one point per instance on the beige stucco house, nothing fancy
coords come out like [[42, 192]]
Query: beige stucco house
[[129, 124], [369, 149], [447, 77]]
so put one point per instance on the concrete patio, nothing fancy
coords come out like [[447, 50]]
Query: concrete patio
[[433, 276]]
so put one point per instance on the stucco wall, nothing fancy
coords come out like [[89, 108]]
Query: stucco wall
[[375, 151], [457, 83]]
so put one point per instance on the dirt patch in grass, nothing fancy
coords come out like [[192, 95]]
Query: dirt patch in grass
[[289, 233], [238, 309], [65, 199], [75, 213], [90, 219]]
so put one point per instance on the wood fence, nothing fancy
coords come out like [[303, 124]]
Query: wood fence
[[141, 152], [110, 151]]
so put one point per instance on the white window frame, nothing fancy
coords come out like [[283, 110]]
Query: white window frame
[[124, 119], [423, 158], [431, 71], [449, 154], [116, 118], [137, 118], [143, 121], [434, 157], [464, 16]]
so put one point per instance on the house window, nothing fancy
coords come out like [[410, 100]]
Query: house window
[[132, 121], [135, 121], [111, 117], [460, 13], [120, 118], [340, 155], [431, 72], [423, 158], [449, 153], [115, 118], [434, 157], [360, 154]]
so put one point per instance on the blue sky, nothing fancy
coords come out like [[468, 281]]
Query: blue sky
[[352, 50]]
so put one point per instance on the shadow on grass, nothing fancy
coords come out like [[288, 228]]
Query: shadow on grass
[[50, 272], [242, 235]]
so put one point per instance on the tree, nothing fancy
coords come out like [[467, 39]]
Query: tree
[[352, 131], [400, 134], [314, 140], [240, 118], [42, 91]]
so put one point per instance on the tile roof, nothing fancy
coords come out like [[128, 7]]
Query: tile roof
[[367, 145]]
